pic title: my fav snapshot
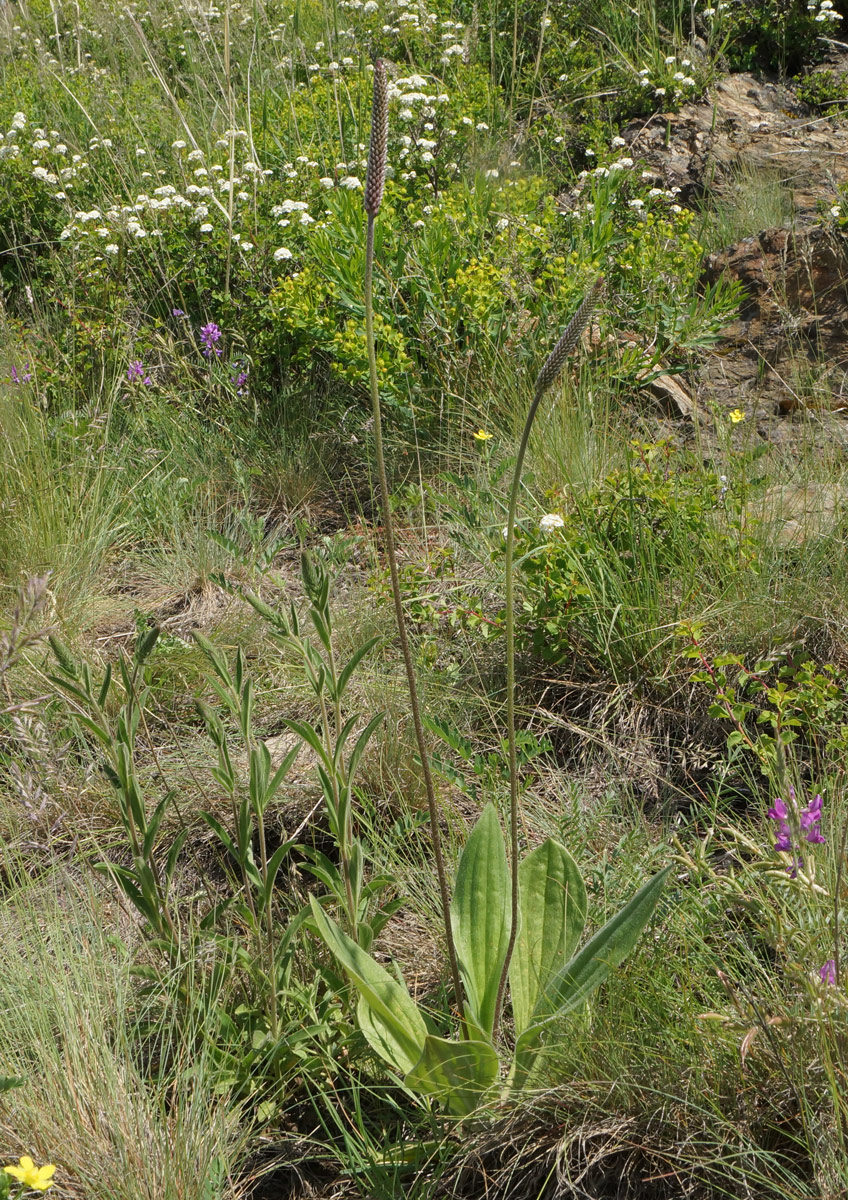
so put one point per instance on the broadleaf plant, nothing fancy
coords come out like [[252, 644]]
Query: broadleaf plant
[[480, 918], [517, 921]]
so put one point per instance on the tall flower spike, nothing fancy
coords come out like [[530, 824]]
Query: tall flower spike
[[375, 180], [555, 361]]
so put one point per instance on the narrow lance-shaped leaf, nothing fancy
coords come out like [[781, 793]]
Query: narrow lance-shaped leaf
[[280, 773], [603, 952], [307, 734], [401, 1025], [480, 916], [352, 663], [361, 742]]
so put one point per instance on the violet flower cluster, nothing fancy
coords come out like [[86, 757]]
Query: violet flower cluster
[[808, 823], [22, 376], [240, 378], [136, 370], [210, 335]]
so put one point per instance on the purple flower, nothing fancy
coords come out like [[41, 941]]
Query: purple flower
[[136, 371], [780, 813], [784, 838], [808, 821], [810, 818], [794, 867], [240, 379], [209, 335], [177, 312], [25, 375], [827, 973]]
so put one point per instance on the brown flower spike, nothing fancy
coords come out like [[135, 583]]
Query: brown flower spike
[[375, 180], [555, 361]]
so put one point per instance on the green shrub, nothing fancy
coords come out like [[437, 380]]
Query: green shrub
[[606, 583], [775, 35]]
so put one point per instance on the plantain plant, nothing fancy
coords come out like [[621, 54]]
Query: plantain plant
[[518, 922]]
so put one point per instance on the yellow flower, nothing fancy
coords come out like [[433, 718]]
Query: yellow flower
[[482, 436], [37, 1178], [737, 415]]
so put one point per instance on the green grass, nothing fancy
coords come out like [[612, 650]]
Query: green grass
[[70, 1030], [752, 200]]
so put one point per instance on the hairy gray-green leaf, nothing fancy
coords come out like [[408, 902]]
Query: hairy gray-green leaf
[[480, 916]]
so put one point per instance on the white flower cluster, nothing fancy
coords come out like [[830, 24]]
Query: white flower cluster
[[826, 11], [679, 78]]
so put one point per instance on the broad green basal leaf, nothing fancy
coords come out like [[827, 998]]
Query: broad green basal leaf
[[457, 1073], [480, 916], [392, 1019], [603, 952], [573, 983], [553, 913]]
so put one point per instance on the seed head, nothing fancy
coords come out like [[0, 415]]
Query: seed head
[[555, 361], [375, 179]]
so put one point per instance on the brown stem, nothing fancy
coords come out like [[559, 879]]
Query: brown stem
[[401, 620]]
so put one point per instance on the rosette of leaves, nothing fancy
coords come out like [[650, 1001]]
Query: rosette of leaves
[[549, 976]]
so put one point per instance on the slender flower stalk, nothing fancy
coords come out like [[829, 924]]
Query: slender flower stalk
[[372, 199], [546, 378]]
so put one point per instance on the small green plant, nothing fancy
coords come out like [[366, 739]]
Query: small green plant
[[792, 722], [826, 91], [249, 806], [337, 746], [246, 948], [608, 578], [774, 707], [774, 35], [549, 978], [146, 883]]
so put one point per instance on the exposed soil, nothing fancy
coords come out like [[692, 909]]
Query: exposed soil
[[786, 353]]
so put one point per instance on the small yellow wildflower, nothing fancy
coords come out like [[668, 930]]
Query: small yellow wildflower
[[737, 415], [482, 436], [31, 1176]]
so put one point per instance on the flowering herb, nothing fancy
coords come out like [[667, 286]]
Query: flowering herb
[[808, 819], [210, 335], [136, 371], [239, 379], [38, 1179], [827, 972], [551, 521], [24, 376]]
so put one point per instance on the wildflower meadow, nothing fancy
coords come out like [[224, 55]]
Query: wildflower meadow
[[423, 634]]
